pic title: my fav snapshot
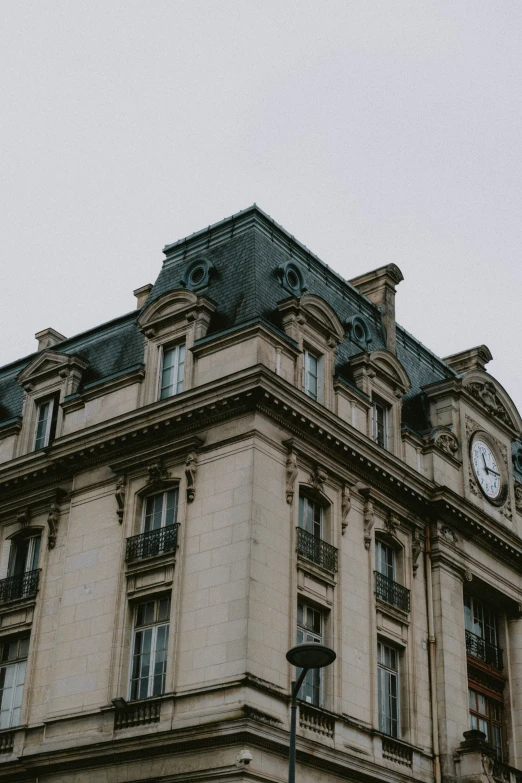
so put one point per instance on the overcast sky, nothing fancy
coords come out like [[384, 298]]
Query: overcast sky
[[375, 132]]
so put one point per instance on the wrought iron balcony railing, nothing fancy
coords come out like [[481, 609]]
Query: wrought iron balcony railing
[[316, 550], [156, 542], [392, 592], [478, 648], [19, 586]]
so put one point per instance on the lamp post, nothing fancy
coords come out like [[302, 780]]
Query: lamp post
[[305, 657]]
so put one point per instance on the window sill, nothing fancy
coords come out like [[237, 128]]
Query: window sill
[[392, 610]]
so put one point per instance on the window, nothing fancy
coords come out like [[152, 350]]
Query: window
[[159, 526], [172, 371], [160, 511], [19, 568], [385, 560], [46, 414], [149, 649], [380, 424], [310, 517], [485, 714], [311, 375], [388, 689], [482, 632], [13, 659], [386, 586], [310, 623], [310, 543]]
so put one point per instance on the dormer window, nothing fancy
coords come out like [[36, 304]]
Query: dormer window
[[46, 414], [313, 380], [380, 424], [172, 371]]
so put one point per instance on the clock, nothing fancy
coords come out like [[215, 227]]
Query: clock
[[486, 468]]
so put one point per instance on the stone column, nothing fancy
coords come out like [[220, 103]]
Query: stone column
[[450, 658]]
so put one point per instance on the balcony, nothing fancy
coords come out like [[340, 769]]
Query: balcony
[[20, 586], [137, 714], [156, 542], [478, 648], [502, 773], [392, 592], [316, 550]]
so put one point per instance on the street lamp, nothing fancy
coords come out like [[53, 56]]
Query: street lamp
[[304, 656]]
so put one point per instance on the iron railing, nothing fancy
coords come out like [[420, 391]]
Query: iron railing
[[156, 542], [484, 651], [316, 550], [392, 592], [19, 586]]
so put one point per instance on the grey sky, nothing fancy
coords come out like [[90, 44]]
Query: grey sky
[[373, 131]]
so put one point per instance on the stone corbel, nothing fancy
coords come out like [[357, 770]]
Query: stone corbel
[[121, 488], [157, 473], [346, 504], [392, 523], [368, 517], [518, 497], [53, 518], [191, 466], [291, 475]]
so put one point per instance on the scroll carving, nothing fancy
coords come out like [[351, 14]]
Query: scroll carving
[[416, 548], [53, 518], [291, 475], [368, 518], [191, 466], [24, 517], [518, 496], [121, 486], [346, 504], [471, 426], [157, 472], [392, 523], [487, 395], [446, 441]]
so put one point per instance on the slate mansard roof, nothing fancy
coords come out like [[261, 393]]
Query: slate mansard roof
[[245, 252]]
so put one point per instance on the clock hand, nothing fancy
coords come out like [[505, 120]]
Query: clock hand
[[490, 470], [484, 461]]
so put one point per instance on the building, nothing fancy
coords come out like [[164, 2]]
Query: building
[[258, 455]]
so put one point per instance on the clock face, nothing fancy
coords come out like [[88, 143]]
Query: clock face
[[486, 469]]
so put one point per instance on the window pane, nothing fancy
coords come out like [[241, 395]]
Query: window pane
[[171, 507], [41, 424]]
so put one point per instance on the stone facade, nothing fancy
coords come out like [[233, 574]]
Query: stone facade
[[258, 451]]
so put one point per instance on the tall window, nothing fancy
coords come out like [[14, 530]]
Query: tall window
[[311, 517], [388, 689], [310, 628], [160, 511], [482, 632], [149, 649], [380, 424], [46, 413], [172, 371], [485, 714], [311, 374], [385, 560], [13, 660], [19, 568]]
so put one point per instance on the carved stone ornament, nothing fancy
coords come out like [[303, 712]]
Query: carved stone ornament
[[24, 517], [487, 395], [346, 504], [157, 472], [121, 487], [318, 478], [392, 523], [368, 519], [53, 518], [191, 467], [291, 475], [471, 426], [416, 548], [507, 510], [446, 441], [468, 576], [518, 496], [448, 534]]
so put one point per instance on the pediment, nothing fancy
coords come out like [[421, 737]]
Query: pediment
[[490, 394], [386, 363], [49, 363], [172, 306], [319, 311]]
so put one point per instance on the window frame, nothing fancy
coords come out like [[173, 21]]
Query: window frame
[[477, 719], [164, 509], [50, 422], [163, 350], [136, 663], [317, 357], [386, 675], [318, 525], [314, 680], [380, 405], [17, 664], [383, 568]]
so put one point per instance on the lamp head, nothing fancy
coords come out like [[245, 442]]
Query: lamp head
[[310, 655]]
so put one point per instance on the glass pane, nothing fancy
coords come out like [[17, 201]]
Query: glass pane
[[41, 425], [164, 609], [171, 507]]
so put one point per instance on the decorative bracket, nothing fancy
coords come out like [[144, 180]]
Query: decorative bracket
[[346, 504], [53, 518], [291, 475], [121, 487], [24, 517], [318, 478], [368, 517], [191, 467], [416, 548]]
